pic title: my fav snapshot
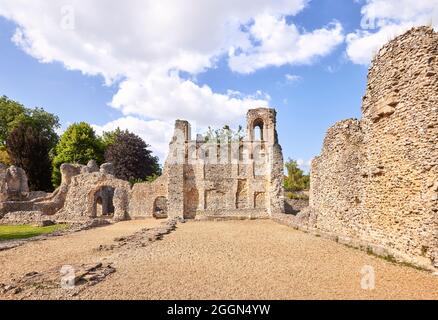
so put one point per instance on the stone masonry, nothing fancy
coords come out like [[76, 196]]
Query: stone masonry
[[200, 179], [375, 183], [218, 178], [376, 179]]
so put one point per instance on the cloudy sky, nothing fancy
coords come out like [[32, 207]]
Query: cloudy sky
[[141, 64]]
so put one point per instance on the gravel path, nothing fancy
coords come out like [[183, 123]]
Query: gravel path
[[225, 260], [73, 248]]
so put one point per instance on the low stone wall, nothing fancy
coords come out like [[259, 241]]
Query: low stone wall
[[22, 217], [293, 206], [83, 195], [233, 214], [143, 196]]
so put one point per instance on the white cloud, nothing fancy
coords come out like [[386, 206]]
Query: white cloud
[[159, 132], [277, 43], [166, 98], [142, 46], [292, 78], [305, 165], [115, 39], [382, 20]]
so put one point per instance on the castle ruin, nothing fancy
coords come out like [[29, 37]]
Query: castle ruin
[[201, 179], [374, 186]]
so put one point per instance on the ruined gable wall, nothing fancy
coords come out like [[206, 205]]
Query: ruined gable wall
[[217, 179], [225, 187], [384, 190]]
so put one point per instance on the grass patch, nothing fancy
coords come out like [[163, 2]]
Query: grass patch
[[296, 196], [27, 231]]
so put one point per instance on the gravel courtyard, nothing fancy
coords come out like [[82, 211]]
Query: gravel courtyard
[[222, 260]]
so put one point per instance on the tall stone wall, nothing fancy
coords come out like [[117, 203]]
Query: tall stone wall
[[335, 181], [225, 178], [377, 179]]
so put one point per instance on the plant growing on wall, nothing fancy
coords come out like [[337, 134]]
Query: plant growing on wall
[[224, 134]]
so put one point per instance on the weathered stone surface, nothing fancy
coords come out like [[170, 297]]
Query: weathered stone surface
[[13, 184], [241, 179], [45, 204], [293, 206], [107, 168], [375, 178], [217, 178], [93, 195], [90, 167], [60, 282]]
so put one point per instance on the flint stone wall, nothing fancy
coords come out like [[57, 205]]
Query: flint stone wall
[[144, 195], [240, 179], [45, 204], [215, 179], [13, 184], [376, 179], [82, 197]]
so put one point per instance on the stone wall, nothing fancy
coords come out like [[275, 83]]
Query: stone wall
[[218, 178], [201, 178], [13, 184], [143, 197], [227, 178], [294, 206], [377, 179], [95, 195]]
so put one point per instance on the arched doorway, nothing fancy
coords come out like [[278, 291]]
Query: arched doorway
[[160, 208], [103, 205]]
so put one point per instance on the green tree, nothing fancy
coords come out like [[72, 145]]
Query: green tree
[[109, 137], [296, 180], [30, 132], [10, 112], [4, 156], [131, 158], [28, 149], [45, 122], [78, 144]]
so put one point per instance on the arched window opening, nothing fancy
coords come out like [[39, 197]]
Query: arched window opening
[[258, 130]]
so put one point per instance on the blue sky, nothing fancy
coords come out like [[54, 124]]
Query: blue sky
[[78, 72]]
